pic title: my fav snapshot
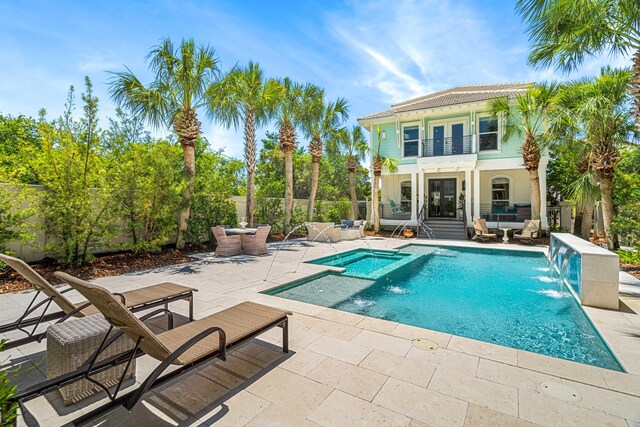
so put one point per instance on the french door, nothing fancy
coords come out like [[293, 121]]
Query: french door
[[442, 198]]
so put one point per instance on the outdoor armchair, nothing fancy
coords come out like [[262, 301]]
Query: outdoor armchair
[[256, 244], [480, 230], [226, 245], [530, 230], [38, 309]]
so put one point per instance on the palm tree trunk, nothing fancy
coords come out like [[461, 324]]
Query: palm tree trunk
[[250, 160], [189, 159], [606, 184], [288, 189], [635, 85], [315, 172], [374, 203], [354, 197], [534, 182], [587, 221]]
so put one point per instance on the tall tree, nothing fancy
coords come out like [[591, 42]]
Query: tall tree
[[291, 110], [599, 108], [245, 96], [527, 116], [565, 32], [379, 164], [354, 144], [182, 76], [321, 123]]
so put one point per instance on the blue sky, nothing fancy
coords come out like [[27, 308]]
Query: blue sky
[[373, 53]]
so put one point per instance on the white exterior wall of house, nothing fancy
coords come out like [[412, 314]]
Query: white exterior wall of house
[[474, 169]]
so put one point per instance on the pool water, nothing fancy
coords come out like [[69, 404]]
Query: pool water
[[368, 263], [504, 297]]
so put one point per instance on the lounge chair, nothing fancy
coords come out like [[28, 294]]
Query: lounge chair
[[256, 244], [136, 300], [187, 346], [226, 245], [530, 231], [480, 230]]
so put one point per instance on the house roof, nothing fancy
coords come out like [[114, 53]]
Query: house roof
[[454, 96]]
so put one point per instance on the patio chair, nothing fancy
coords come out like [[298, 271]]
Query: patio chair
[[395, 209], [226, 245], [256, 244], [530, 231], [136, 300], [187, 346], [480, 230]]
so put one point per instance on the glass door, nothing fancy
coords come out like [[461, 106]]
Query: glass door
[[442, 198], [438, 140]]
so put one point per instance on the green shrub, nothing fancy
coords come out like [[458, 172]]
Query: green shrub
[[629, 257], [270, 211], [209, 210], [13, 227]]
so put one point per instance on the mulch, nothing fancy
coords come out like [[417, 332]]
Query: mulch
[[632, 269], [101, 266]]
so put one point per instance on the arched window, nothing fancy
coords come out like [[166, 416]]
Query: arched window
[[500, 191]]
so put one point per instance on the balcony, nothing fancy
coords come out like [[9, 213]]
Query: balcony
[[449, 146]]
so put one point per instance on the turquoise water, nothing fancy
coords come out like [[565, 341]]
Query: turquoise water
[[368, 264], [502, 297]]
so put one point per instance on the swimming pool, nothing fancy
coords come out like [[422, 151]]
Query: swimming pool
[[504, 297]]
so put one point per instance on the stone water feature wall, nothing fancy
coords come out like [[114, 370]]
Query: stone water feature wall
[[589, 270]]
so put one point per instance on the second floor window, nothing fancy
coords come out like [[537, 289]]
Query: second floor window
[[488, 133], [410, 141]]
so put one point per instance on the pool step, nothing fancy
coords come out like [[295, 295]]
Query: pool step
[[447, 229]]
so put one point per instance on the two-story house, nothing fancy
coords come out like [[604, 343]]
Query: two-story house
[[454, 163]]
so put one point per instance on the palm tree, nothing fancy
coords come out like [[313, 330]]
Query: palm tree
[[565, 32], [245, 96], [600, 107], [292, 109], [354, 144], [378, 165], [172, 100], [527, 117], [322, 122]]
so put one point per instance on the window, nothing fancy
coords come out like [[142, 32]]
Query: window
[[410, 139], [488, 133], [500, 192], [405, 195]]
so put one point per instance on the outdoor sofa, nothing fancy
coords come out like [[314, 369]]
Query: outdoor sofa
[[352, 229], [323, 232]]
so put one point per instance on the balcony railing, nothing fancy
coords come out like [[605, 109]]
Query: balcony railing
[[449, 146]]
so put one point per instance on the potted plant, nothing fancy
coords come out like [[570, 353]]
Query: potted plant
[[408, 232]]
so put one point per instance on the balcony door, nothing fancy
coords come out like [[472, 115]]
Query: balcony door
[[448, 137], [442, 198]]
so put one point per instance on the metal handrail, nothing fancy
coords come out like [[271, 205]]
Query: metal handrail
[[449, 146]]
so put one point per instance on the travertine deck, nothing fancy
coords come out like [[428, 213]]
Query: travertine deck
[[350, 370]]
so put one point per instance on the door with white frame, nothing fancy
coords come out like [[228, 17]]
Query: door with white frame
[[447, 137]]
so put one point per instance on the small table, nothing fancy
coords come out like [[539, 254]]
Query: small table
[[505, 238], [242, 232]]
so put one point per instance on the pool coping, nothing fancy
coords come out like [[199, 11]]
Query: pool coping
[[605, 334]]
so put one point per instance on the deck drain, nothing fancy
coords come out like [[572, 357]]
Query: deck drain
[[560, 391], [425, 344]]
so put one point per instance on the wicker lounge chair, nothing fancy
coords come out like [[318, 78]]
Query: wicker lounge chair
[[186, 346], [136, 300], [530, 231], [480, 230], [226, 245], [256, 244]]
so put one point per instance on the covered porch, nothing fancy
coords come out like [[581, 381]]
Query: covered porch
[[501, 196]]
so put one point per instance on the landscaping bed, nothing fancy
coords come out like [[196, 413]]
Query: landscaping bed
[[101, 266]]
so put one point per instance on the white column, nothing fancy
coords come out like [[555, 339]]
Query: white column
[[414, 202], [372, 219], [467, 196], [542, 173], [476, 193], [420, 189]]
